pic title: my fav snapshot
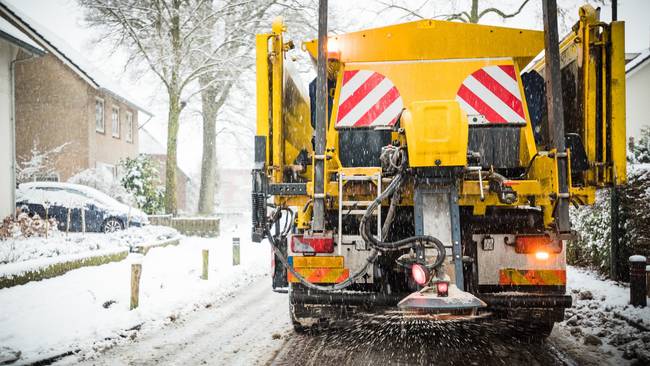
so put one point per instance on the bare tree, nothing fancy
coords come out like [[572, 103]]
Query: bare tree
[[226, 37], [228, 41], [471, 15], [474, 13], [162, 35], [40, 163]]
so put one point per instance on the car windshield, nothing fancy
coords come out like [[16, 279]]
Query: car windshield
[[66, 196], [99, 196]]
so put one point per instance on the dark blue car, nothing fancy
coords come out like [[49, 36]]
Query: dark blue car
[[101, 213]]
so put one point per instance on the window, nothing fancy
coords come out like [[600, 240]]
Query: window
[[129, 127], [99, 115], [115, 122]]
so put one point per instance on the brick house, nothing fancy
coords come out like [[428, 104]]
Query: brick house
[[61, 99]]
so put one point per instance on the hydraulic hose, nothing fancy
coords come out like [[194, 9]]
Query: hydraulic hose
[[331, 288], [407, 243]]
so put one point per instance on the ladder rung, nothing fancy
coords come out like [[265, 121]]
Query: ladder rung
[[356, 212], [349, 239], [358, 203], [358, 177]]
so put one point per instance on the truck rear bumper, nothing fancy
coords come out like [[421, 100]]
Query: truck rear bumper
[[346, 298], [493, 300], [524, 300]]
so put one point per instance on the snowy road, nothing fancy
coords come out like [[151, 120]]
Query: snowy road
[[251, 327], [245, 328]]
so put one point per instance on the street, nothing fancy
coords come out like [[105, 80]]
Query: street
[[252, 327]]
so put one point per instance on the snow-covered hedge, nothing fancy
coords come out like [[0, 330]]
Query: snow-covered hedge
[[592, 248], [59, 244]]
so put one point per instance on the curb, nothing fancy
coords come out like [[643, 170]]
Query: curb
[[56, 269]]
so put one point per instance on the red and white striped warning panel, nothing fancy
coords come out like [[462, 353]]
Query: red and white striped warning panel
[[367, 99], [491, 95]]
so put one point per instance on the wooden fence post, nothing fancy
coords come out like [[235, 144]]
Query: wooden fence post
[[83, 218], [136, 271], [206, 254], [67, 223], [235, 251]]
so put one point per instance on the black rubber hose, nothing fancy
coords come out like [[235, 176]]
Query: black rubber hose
[[336, 287], [407, 243]]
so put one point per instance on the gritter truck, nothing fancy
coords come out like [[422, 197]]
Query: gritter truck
[[430, 166]]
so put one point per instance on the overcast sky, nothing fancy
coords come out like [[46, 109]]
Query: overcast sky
[[66, 19]]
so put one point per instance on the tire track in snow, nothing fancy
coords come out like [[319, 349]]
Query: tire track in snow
[[237, 331]]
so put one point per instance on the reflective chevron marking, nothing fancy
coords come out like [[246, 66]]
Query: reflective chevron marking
[[367, 99], [493, 92]]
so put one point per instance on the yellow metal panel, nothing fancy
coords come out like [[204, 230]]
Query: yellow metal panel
[[617, 92], [317, 262], [262, 72], [277, 59], [295, 115], [428, 80], [435, 39], [436, 133], [321, 275]]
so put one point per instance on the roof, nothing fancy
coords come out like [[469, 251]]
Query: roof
[[20, 39], [147, 144], [637, 61], [67, 54]]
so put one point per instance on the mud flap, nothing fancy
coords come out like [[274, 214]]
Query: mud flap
[[280, 281]]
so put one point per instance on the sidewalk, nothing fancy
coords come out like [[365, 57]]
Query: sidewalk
[[47, 318]]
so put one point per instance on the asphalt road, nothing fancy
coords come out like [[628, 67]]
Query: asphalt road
[[416, 344], [252, 328]]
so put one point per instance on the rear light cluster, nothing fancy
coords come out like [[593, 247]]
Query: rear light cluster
[[312, 244], [528, 244], [540, 245]]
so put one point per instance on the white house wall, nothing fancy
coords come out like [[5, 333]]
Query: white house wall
[[7, 187], [638, 99]]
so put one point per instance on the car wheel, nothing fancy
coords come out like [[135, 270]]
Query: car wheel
[[112, 225]]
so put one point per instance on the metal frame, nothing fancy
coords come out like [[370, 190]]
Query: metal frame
[[454, 215], [344, 179]]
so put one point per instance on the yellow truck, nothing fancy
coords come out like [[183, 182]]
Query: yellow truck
[[439, 179]]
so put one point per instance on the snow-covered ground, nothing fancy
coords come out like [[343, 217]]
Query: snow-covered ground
[[58, 243], [601, 322], [73, 311]]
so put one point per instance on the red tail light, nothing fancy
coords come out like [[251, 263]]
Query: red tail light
[[442, 288], [420, 274], [529, 244], [312, 244]]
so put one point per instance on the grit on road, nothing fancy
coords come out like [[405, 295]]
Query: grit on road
[[252, 327]]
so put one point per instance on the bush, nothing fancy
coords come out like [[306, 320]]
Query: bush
[[592, 224], [639, 150], [140, 180], [592, 248]]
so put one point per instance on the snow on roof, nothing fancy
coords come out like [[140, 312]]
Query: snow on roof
[[68, 55], [638, 60], [147, 144], [15, 36]]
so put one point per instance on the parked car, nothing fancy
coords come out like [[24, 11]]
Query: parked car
[[101, 213]]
